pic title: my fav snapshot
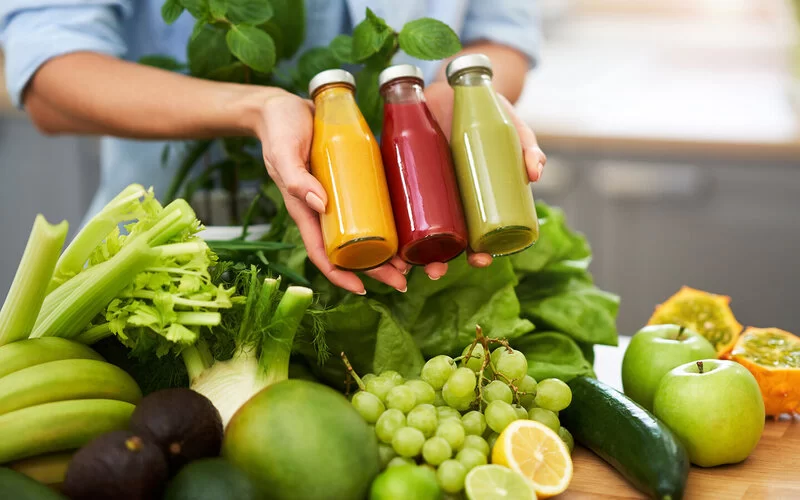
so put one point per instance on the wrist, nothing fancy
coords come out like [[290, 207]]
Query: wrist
[[245, 107]]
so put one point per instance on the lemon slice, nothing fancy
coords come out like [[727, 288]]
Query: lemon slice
[[495, 482], [535, 451]]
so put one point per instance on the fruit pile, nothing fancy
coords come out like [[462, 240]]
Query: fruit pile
[[451, 417]]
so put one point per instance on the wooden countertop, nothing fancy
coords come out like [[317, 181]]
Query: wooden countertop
[[771, 472]]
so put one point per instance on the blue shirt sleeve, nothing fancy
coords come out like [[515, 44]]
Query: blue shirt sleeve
[[509, 22], [34, 31]]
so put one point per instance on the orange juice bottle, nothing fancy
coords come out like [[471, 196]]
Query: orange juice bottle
[[358, 226]]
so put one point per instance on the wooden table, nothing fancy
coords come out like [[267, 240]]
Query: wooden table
[[771, 472]]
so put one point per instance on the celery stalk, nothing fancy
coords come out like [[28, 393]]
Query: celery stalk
[[124, 207], [28, 290], [65, 313]]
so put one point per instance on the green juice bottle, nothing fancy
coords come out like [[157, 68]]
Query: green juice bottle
[[489, 163]]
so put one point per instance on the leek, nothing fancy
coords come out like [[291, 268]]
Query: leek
[[27, 292]]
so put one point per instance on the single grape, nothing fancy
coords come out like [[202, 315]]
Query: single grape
[[546, 417], [401, 397], [424, 418], [478, 443], [397, 461], [436, 450], [393, 376], [451, 474], [460, 403], [445, 412], [512, 365], [491, 439], [388, 423], [460, 384], [475, 359], [385, 453], [566, 436], [553, 394], [471, 458], [497, 391], [408, 441], [453, 432], [368, 405], [369, 376], [380, 387], [498, 415], [423, 391], [474, 423], [522, 413], [526, 384], [437, 370]]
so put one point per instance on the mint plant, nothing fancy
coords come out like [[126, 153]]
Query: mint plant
[[253, 42]]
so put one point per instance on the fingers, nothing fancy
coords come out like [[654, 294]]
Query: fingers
[[297, 181], [308, 224], [400, 265], [436, 270], [535, 159], [389, 274], [479, 259]]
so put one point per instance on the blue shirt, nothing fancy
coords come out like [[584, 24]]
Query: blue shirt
[[34, 31]]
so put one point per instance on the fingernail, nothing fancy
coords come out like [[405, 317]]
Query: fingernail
[[404, 290], [541, 169], [362, 292], [483, 261], [405, 270], [315, 202], [433, 277]]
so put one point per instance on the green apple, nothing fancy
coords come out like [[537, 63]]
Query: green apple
[[654, 351], [715, 409]]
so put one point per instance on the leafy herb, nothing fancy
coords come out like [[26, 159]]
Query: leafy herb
[[252, 46], [428, 38], [553, 355]]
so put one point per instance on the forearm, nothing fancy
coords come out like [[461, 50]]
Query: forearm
[[509, 67], [88, 93]]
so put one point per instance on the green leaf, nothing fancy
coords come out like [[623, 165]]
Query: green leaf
[[197, 8], [249, 11], [252, 46], [369, 99], [198, 28], [553, 355], [428, 39], [312, 62], [171, 11], [342, 48], [218, 8], [208, 51], [369, 36], [376, 21], [276, 32], [290, 15], [233, 72], [163, 62], [557, 243]]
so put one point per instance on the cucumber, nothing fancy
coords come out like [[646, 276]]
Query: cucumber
[[20, 487], [628, 437]]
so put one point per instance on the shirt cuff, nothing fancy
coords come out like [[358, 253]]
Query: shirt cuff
[[514, 23], [32, 37]]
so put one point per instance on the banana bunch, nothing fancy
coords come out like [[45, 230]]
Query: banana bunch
[[56, 395]]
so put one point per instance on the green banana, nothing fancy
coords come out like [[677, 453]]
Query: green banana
[[50, 469], [31, 352], [59, 426], [64, 380]]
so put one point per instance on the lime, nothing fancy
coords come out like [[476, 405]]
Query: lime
[[495, 482], [406, 481]]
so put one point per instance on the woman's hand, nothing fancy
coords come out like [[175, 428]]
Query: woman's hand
[[285, 128], [439, 96]]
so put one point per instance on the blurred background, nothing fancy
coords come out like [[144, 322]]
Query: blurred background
[[672, 130]]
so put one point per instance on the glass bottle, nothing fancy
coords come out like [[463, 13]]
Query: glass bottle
[[357, 227], [490, 166], [419, 170]]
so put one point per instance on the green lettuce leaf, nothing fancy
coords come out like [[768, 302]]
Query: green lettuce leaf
[[553, 355]]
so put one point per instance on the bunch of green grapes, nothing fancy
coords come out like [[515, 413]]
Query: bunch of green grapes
[[450, 417]]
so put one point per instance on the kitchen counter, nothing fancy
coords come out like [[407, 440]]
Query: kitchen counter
[[769, 473]]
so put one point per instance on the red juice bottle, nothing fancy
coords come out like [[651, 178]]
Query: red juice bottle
[[419, 171]]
